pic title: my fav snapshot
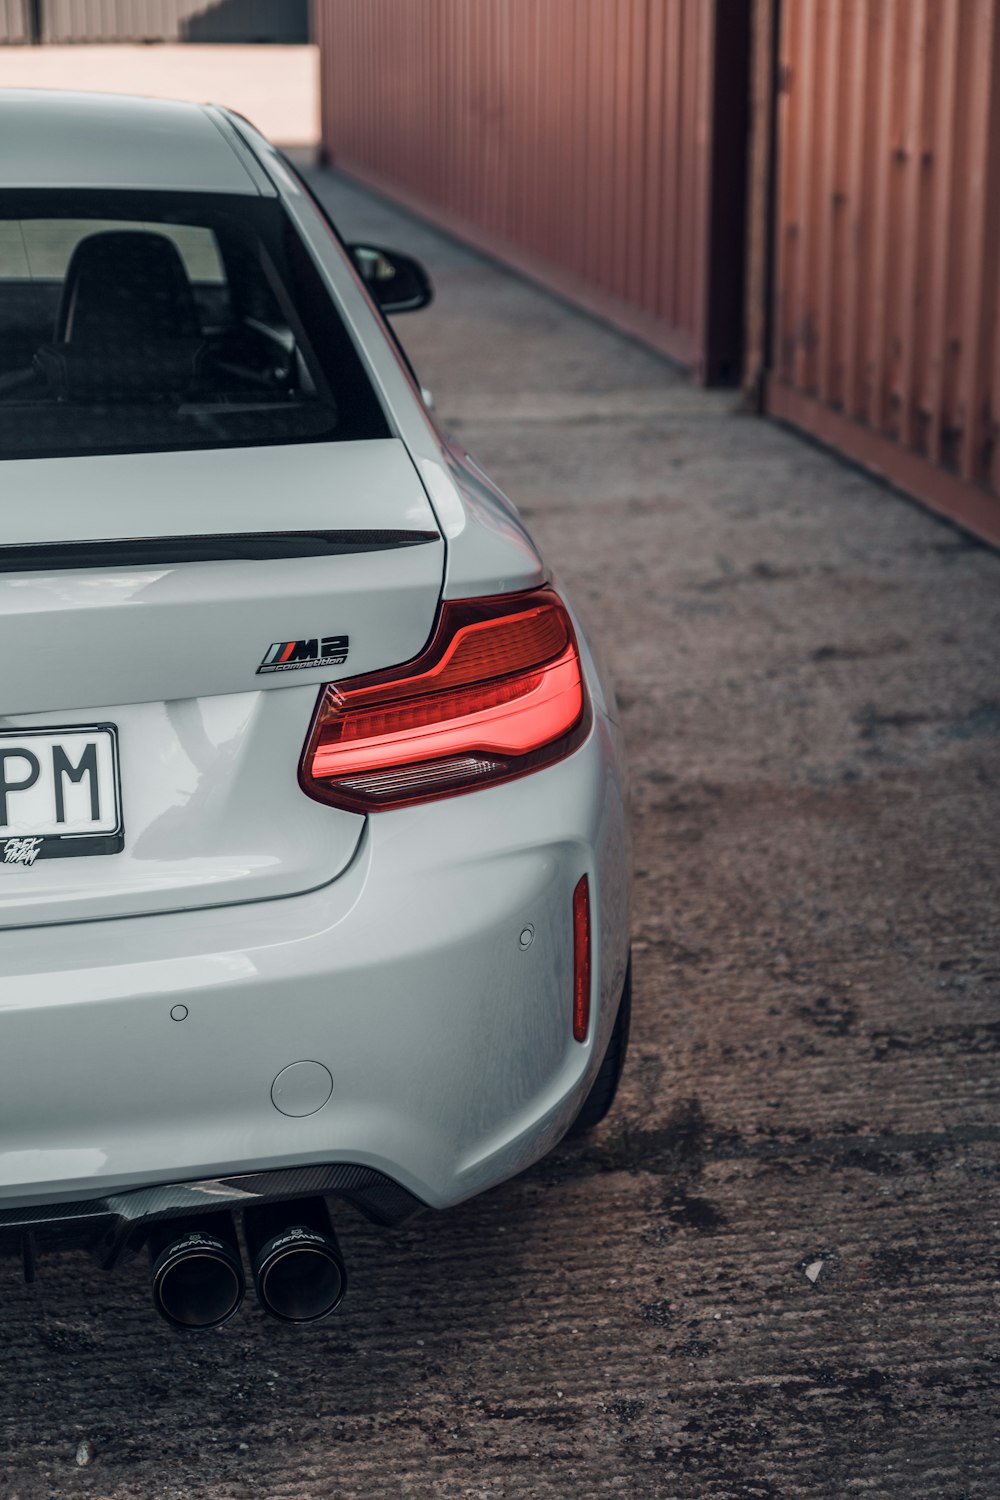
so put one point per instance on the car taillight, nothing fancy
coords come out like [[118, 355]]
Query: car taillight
[[498, 692]]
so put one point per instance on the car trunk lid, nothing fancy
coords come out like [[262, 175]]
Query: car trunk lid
[[188, 607]]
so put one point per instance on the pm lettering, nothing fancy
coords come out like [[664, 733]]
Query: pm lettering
[[85, 766], [20, 768], [15, 777]]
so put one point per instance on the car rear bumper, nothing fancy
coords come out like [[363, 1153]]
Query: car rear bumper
[[432, 981], [116, 1223]]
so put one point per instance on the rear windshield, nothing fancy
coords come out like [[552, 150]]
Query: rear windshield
[[137, 322]]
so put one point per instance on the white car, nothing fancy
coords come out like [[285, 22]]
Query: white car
[[314, 865]]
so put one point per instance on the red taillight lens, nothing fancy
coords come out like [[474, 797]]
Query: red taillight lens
[[581, 959], [497, 693]]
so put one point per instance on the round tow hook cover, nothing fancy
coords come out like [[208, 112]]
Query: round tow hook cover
[[301, 1089]]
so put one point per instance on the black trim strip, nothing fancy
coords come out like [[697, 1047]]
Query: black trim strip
[[160, 551], [118, 1221]]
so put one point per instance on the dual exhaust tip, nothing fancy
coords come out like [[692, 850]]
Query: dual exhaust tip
[[298, 1270]]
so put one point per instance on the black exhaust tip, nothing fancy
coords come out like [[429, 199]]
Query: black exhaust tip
[[298, 1269], [198, 1280]]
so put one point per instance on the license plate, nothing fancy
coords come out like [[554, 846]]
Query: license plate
[[60, 793]]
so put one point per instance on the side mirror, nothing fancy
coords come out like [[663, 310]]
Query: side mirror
[[397, 282]]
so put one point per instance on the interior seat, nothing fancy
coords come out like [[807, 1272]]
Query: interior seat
[[124, 286], [127, 327]]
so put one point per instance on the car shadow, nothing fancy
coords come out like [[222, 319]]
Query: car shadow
[[418, 1296]]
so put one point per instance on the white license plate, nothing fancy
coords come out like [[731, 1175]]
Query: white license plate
[[60, 793]]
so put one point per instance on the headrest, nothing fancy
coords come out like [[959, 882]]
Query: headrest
[[124, 285]]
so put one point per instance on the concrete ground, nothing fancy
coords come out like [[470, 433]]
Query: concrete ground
[[774, 1271], [275, 87]]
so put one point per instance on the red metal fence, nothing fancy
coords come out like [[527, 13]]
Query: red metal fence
[[598, 145], [886, 317]]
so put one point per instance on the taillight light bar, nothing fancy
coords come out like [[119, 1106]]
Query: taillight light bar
[[498, 692]]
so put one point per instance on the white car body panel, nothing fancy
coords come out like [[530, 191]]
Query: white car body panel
[[207, 820], [197, 629], [389, 949], [301, 486], [50, 140], [447, 1042]]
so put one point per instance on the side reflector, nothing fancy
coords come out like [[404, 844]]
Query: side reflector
[[498, 692], [581, 959]]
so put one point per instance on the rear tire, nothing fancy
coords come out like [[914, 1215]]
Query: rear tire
[[605, 1086]]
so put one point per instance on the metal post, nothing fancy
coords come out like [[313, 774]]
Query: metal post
[[766, 84], [33, 21]]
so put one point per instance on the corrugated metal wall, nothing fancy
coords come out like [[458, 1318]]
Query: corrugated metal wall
[[14, 21], [155, 20], [885, 335], [123, 21], [579, 139]]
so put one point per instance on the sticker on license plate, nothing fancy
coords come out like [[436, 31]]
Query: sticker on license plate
[[60, 793]]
